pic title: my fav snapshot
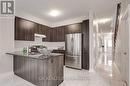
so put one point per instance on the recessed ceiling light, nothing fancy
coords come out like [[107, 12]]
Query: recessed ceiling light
[[54, 13], [102, 21]]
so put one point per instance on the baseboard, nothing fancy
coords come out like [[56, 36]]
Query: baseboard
[[7, 74], [91, 70], [118, 71], [116, 68]]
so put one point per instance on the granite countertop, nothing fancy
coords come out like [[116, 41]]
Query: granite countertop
[[34, 56]]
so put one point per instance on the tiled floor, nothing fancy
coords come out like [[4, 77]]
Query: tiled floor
[[82, 78], [14, 81], [105, 75], [108, 70]]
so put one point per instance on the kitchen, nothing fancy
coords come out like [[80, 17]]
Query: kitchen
[[43, 44], [26, 30], [35, 42]]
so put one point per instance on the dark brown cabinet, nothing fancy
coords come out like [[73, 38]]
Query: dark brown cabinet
[[52, 66], [73, 28], [57, 34], [60, 33], [24, 29], [44, 30], [53, 35], [26, 68], [60, 51], [85, 44], [47, 33], [42, 73], [46, 72], [33, 70], [39, 30]]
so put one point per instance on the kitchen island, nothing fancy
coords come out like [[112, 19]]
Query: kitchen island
[[38, 69]]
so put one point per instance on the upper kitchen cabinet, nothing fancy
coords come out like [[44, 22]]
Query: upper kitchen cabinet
[[60, 36], [53, 35], [73, 28], [24, 29], [44, 30], [58, 33], [41, 29]]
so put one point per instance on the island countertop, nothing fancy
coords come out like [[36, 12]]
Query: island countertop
[[34, 56]]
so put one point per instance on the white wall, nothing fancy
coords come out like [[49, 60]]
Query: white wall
[[6, 45], [129, 45], [19, 45], [122, 44], [92, 53]]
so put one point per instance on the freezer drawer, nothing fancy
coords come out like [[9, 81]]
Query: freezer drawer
[[73, 61]]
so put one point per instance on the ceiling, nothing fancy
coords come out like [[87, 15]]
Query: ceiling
[[70, 9]]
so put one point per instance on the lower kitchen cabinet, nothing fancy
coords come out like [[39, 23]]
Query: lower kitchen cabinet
[[60, 51], [42, 73], [33, 72], [55, 76], [26, 68], [47, 72]]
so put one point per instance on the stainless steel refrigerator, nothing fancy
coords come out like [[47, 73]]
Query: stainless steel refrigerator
[[73, 56]]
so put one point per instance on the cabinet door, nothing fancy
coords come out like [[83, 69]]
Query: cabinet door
[[33, 72], [51, 72], [55, 71], [43, 72], [30, 70], [57, 34], [41, 29], [74, 28], [26, 68], [60, 34], [46, 31], [18, 66], [19, 32], [53, 35], [24, 29], [85, 50], [60, 70]]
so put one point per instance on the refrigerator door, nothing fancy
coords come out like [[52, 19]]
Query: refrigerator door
[[73, 50]]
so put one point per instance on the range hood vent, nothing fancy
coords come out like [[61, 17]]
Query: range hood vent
[[40, 35]]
